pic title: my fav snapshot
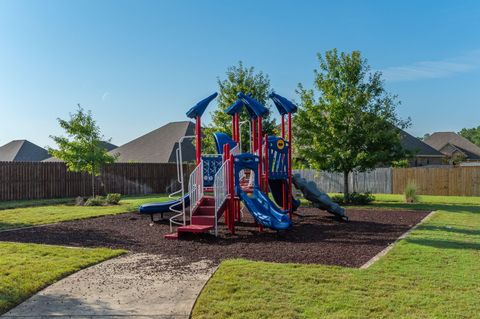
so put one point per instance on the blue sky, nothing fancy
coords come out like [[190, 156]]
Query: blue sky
[[140, 64]]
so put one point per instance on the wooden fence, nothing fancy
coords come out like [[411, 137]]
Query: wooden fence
[[446, 181], [38, 180], [34, 180], [376, 181]]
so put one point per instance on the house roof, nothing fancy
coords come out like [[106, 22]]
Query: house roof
[[438, 140], [159, 145], [419, 148], [22, 151], [106, 145]]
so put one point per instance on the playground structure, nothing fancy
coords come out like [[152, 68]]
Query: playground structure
[[221, 182]]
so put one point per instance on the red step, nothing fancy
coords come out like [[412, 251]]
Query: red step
[[204, 211], [171, 236], [203, 220], [208, 201], [194, 229]]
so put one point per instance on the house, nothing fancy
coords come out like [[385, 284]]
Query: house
[[158, 146], [422, 153], [22, 151], [106, 145], [455, 147]]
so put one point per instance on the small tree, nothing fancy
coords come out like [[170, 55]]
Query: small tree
[[238, 79], [82, 149], [471, 134], [348, 121]]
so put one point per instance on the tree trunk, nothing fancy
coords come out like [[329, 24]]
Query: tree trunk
[[345, 186]]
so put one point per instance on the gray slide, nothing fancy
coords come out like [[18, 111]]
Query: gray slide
[[319, 199]]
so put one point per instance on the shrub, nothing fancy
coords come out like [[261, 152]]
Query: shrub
[[95, 201], [411, 193], [113, 198], [338, 199], [354, 199], [400, 163]]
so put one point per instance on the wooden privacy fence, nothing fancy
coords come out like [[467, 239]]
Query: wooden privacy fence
[[38, 180], [446, 181], [376, 181]]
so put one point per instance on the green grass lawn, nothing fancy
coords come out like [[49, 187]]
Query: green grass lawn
[[44, 212], [27, 268], [433, 273]]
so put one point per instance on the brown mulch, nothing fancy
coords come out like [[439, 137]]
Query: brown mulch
[[317, 237]]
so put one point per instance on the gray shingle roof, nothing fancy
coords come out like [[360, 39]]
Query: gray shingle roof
[[22, 151], [159, 145], [439, 139], [419, 148]]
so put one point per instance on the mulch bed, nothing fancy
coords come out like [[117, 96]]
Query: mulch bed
[[316, 238]]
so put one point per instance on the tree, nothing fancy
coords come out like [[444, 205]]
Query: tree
[[82, 150], [471, 134], [348, 121], [238, 79]]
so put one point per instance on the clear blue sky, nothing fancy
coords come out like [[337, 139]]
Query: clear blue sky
[[140, 64]]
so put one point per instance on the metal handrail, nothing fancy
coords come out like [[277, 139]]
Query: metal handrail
[[195, 187], [179, 159], [220, 190]]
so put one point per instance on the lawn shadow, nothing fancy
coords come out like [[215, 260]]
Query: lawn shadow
[[444, 244], [474, 232], [452, 208]]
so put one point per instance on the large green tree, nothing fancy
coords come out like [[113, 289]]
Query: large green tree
[[82, 148], [471, 134], [238, 78], [348, 120]]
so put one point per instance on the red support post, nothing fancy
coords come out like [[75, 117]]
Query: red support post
[[198, 140], [260, 138], [283, 126], [266, 164], [237, 127], [254, 135], [289, 201], [234, 133]]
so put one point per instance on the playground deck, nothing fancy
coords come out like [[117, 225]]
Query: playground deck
[[315, 238]]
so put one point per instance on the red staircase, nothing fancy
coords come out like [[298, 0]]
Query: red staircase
[[203, 219]]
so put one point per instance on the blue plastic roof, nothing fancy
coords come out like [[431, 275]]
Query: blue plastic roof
[[253, 105], [201, 106], [283, 105], [235, 108]]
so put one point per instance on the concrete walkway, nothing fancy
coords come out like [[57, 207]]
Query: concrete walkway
[[134, 285]]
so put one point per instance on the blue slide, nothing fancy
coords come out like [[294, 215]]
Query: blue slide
[[163, 207], [265, 212]]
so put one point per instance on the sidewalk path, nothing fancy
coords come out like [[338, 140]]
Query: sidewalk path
[[131, 286]]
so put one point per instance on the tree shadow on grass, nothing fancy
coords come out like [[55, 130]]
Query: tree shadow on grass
[[449, 229], [444, 244], [452, 208]]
